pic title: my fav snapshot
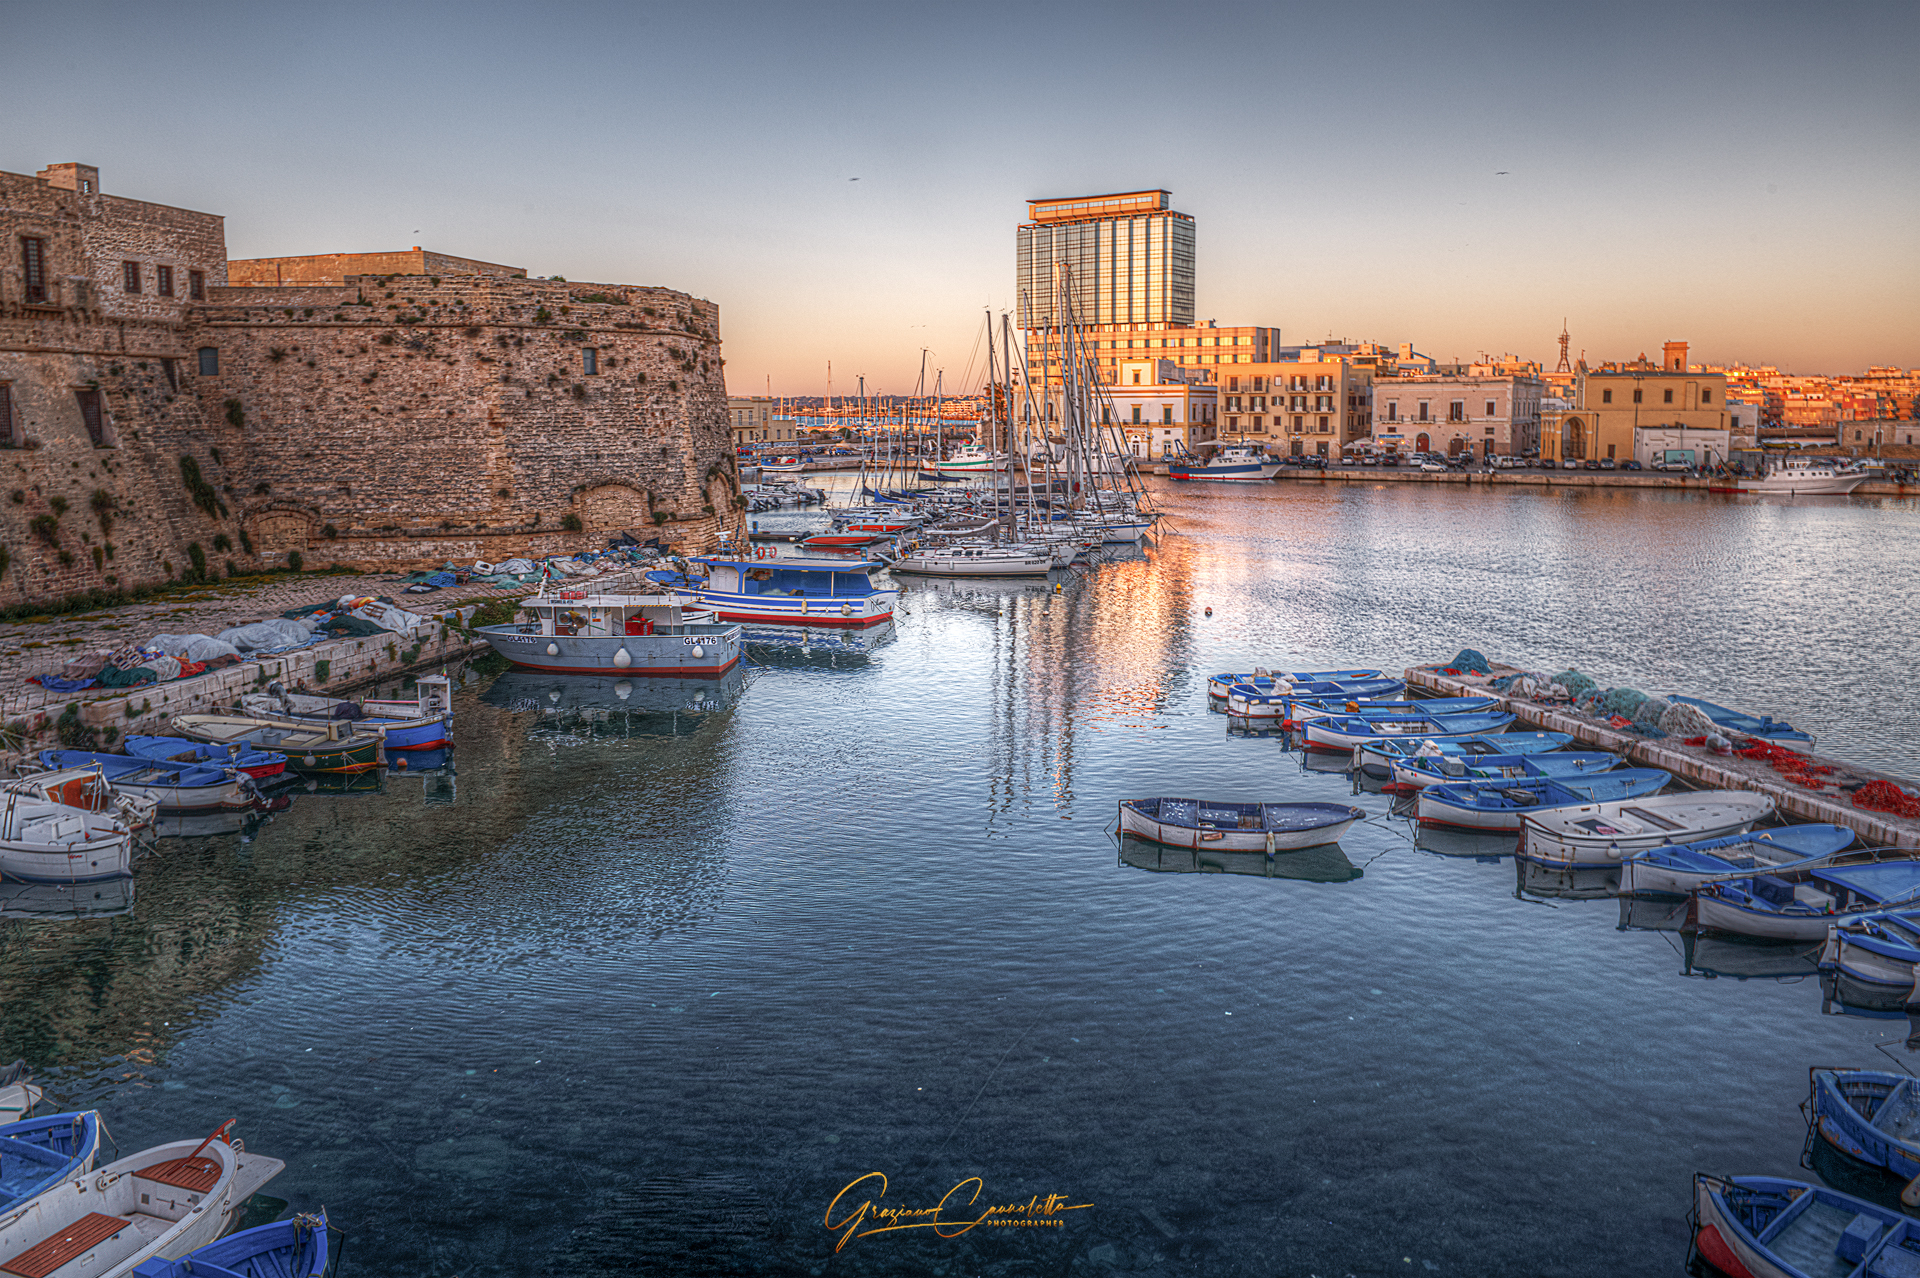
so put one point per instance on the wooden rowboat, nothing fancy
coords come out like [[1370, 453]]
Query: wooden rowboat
[[1237, 827]]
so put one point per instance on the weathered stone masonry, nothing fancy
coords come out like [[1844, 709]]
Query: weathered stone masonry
[[382, 421]]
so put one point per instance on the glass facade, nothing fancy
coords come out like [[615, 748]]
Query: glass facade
[[1125, 270]]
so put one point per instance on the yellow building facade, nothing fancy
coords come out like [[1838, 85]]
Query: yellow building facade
[[1640, 411]]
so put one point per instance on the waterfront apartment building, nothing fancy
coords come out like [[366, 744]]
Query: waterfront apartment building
[[1161, 408], [1128, 257], [1642, 411], [1314, 403], [754, 420], [1482, 416]]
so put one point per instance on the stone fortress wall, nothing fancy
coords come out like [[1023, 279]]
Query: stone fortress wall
[[376, 420]]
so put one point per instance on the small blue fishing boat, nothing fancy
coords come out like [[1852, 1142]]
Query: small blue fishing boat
[[38, 1153], [1766, 1227], [175, 787], [296, 1248], [240, 755], [1681, 868], [1438, 768], [1875, 957], [1305, 708], [1311, 683], [1804, 905], [1872, 1115], [1376, 757], [1504, 805], [1237, 827], [1748, 724], [1348, 731]]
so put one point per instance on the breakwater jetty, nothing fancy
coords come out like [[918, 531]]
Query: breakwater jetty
[[1832, 802]]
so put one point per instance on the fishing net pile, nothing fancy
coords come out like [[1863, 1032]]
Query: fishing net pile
[[1790, 764], [1469, 662], [1885, 796]]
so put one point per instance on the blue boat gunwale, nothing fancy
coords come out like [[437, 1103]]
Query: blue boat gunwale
[[83, 1124]]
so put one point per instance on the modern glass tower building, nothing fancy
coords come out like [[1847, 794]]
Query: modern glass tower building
[[1130, 254]]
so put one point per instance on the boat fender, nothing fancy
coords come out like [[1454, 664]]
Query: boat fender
[[1714, 1248], [553, 650], [1209, 612]]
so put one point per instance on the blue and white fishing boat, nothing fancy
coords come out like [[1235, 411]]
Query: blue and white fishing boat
[[1376, 757], [1684, 867], [296, 1248], [240, 755], [175, 787], [1742, 722], [162, 1202], [1309, 683], [38, 1153], [1348, 731], [573, 632], [1237, 827], [830, 593], [422, 723], [1765, 1227], [1872, 1115], [1803, 905], [1241, 462], [1439, 768], [1306, 708], [1504, 805], [1875, 957]]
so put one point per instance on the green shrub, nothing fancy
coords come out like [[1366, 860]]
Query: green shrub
[[236, 414], [102, 504], [295, 561], [222, 542], [320, 669], [57, 504], [197, 486], [46, 528], [199, 558], [570, 522]]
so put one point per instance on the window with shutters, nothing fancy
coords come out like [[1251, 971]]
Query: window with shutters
[[209, 362], [1457, 410], [1490, 409], [33, 267], [6, 416], [1636, 395], [163, 280], [589, 360], [92, 414], [1666, 397], [1606, 397], [197, 285], [130, 276], [1706, 394]]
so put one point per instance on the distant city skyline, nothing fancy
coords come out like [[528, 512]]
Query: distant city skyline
[[845, 180]]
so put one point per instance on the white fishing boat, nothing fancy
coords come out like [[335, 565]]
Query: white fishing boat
[[1237, 462], [1605, 833], [87, 789], [574, 632], [163, 1202], [42, 842], [791, 591], [968, 460], [18, 1093], [977, 561], [1806, 477], [1237, 827]]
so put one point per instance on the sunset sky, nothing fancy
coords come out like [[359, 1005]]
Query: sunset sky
[[845, 180]]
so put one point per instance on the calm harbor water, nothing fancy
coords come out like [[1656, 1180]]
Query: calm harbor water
[[658, 975]]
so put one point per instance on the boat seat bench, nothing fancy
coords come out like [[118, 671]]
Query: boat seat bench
[[75, 1240], [195, 1175]]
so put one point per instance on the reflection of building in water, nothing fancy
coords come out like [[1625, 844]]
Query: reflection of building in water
[[1323, 864]]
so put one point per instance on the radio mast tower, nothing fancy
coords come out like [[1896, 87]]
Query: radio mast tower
[[1564, 367]]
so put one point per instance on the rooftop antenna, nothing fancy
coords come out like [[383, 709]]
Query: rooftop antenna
[[1565, 337]]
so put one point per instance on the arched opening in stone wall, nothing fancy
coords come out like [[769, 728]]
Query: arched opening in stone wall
[[610, 508], [1575, 448], [278, 531]]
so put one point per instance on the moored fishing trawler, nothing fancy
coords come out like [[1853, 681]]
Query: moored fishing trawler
[[796, 591], [1239, 462], [573, 632]]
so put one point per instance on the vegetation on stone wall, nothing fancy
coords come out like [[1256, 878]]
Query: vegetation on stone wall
[[199, 559], [46, 528], [202, 492], [236, 414], [570, 522], [103, 506], [295, 561]]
